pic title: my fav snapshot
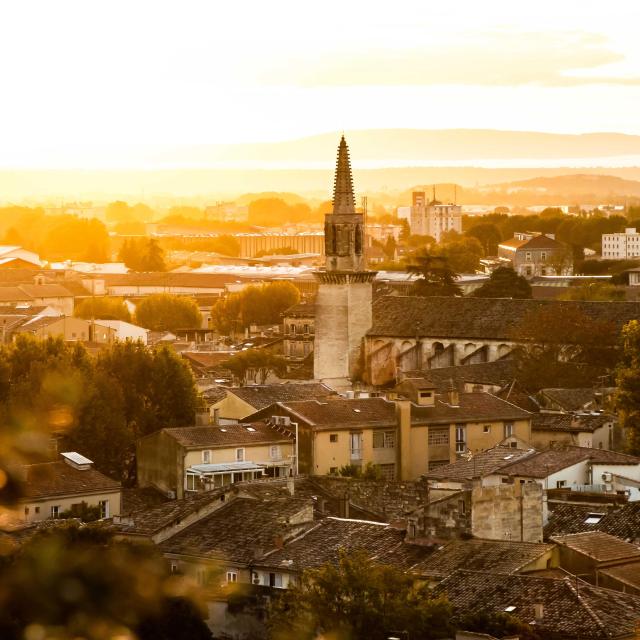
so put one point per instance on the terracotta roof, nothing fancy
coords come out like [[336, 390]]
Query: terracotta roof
[[51, 479], [261, 396], [226, 435], [301, 310], [335, 412], [480, 318], [622, 522], [627, 573], [570, 399], [475, 406], [498, 372], [571, 611], [480, 464], [322, 544], [544, 463], [481, 555], [571, 423], [598, 545], [136, 500], [236, 531]]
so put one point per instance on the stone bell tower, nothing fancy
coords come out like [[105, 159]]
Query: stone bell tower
[[343, 301]]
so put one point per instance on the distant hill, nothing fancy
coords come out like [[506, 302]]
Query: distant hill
[[573, 185], [402, 147]]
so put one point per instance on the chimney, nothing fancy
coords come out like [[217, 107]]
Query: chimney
[[278, 541], [453, 395], [344, 505], [538, 611], [291, 485], [202, 417], [216, 416]]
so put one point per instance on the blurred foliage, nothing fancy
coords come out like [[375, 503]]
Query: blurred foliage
[[166, 312], [628, 382], [595, 291], [435, 275], [358, 600], [74, 581]]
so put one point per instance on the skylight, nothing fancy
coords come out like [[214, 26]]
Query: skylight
[[250, 429], [223, 430], [594, 518], [357, 410], [510, 608]]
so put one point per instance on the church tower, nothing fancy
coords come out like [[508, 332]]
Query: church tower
[[343, 301]]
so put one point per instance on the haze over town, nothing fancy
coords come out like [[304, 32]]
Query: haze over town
[[319, 321]]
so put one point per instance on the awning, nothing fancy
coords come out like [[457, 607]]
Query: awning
[[223, 467]]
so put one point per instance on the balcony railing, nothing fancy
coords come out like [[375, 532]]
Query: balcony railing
[[356, 454]]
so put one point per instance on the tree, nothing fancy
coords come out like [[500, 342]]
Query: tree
[[463, 253], [255, 365], [488, 235], [143, 254], [595, 291], [499, 625], [567, 349], [358, 600], [435, 277], [504, 282], [103, 309], [628, 382], [165, 312]]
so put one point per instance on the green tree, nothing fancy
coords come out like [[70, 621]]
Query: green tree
[[567, 349], [628, 382], [595, 291], [103, 309], [435, 276], [499, 625], [488, 235], [463, 253], [143, 254], [358, 600], [504, 282], [165, 312], [255, 365]]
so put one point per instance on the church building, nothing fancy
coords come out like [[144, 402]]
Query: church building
[[344, 298]]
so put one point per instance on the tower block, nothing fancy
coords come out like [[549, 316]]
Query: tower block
[[345, 287]]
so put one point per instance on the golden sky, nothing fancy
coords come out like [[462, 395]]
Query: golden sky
[[82, 77]]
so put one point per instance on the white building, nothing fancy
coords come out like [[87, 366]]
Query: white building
[[126, 330], [434, 218], [619, 246]]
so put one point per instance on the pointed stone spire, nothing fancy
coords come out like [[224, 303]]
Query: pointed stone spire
[[343, 199]]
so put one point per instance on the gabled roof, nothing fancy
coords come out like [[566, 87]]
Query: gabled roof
[[322, 544], [480, 464], [571, 610], [544, 463], [261, 396], [570, 423], [52, 479], [303, 309], [500, 556], [600, 546], [471, 407], [335, 412], [570, 399], [481, 318], [237, 530], [622, 522], [227, 435]]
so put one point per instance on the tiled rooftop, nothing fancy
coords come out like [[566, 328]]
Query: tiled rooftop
[[480, 464], [261, 396], [622, 522], [481, 318], [499, 556], [546, 462], [322, 544], [598, 545], [239, 530], [629, 573], [570, 423], [228, 435], [570, 610], [51, 479]]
